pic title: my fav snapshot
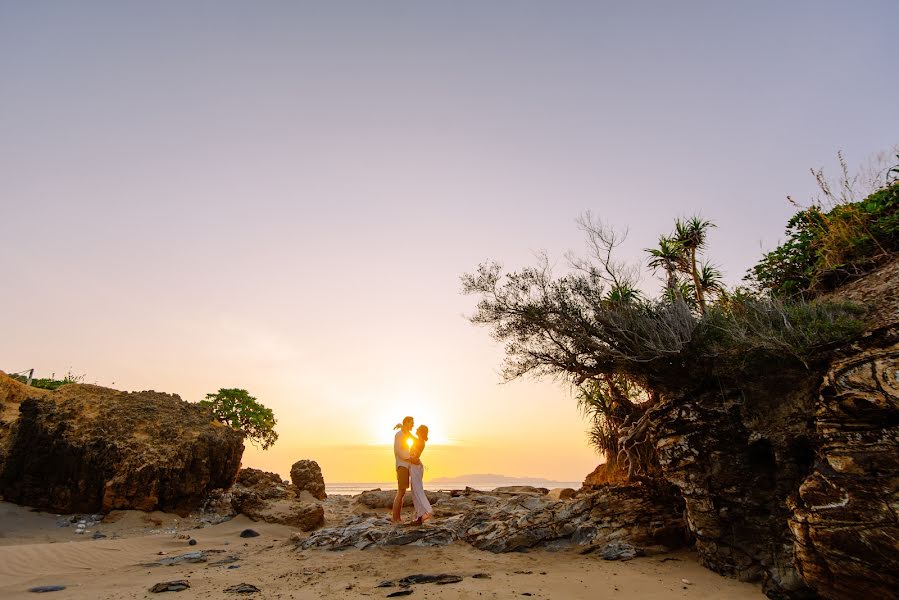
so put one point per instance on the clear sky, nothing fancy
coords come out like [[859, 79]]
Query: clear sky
[[281, 196]]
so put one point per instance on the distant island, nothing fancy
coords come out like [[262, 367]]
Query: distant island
[[481, 478]]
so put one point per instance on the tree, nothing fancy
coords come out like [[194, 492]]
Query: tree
[[239, 410], [690, 236]]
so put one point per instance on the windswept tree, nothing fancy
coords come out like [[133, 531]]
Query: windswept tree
[[624, 353], [241, 411]]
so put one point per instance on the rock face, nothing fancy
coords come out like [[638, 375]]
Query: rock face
[[845, 517], [307, 475], [85, 448], [12, 393], [736, 456], [506, 522], [794, 480]]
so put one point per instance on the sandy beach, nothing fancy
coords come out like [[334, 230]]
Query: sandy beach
[[36, 551]]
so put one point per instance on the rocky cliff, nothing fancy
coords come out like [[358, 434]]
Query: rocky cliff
[[85, 448], [793, 479]]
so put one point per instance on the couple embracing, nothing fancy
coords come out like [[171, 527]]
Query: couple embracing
[[407, 449]]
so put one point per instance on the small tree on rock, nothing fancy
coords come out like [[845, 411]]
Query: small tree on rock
[[239, 410]]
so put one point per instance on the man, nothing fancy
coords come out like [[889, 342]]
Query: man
[[404, 461]]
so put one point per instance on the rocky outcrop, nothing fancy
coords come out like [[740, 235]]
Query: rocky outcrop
[[642, 515], [12, 393], [307, 475], [845, 516], [793, 480], [262, 496], [735, 456], [86, 448]]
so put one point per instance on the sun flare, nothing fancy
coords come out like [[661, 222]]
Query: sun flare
[[422, 409]]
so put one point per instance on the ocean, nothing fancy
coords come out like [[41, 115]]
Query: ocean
[[351, 489]]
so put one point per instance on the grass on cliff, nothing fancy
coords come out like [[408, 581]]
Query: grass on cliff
[[826, 248], [49, 383]]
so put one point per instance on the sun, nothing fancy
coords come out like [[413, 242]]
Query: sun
[[421, 408]]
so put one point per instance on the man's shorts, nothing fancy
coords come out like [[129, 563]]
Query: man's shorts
[[402, 477]]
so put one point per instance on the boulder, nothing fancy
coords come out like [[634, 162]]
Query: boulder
[[844, 516], [561, 494], [263, 496], [307, 475], [86, 448]]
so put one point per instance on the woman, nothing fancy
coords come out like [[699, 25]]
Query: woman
[[423, 510]]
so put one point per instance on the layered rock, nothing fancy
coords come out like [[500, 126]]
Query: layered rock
[[736, 455], [306, 475], [12, 393], [845, 517], [641, 515], [85, 448]]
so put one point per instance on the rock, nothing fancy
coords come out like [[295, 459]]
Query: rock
[[844, 514], [307, 475], [305, 516], [242, 588], [43, 589], [561, 493], [382, 498], [736, 455], [86, 448], [481, 576], [12, 394], [189, 557], [98, 536], [442, 579], [619, 551], [192, 543], [170, 586], [399, 593], [249, 533], [261, 485], [642, 514], [521, 489]]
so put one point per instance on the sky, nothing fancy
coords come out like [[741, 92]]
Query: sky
[[282, 196]]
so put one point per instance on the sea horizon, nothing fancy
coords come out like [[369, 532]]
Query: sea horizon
[[355, 488]]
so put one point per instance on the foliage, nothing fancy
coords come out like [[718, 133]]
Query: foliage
[[678, 255], [824, 249], [50, 383], [624, 352], [239, 410]]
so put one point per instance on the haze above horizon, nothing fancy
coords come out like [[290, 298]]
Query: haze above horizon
[[282, 197]]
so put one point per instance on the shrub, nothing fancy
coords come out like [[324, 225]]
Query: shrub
[[239, 410]]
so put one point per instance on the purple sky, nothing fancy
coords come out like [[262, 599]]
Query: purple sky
[[281, 196]]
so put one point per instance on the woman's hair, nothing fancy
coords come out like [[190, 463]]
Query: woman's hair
[[400, 425], [422, 432]]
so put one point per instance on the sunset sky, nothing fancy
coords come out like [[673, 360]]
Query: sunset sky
[[281, 196]]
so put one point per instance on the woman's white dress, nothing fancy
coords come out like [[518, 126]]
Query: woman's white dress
[[419, 499]]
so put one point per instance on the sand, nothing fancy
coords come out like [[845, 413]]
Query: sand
[[36, 551]]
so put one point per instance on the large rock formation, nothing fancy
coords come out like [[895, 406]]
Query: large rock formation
[[736, 455], [793, 479], [846, 514], [85, 448]]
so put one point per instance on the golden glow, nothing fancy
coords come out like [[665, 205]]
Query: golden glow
[[409, 442], [424, 410]]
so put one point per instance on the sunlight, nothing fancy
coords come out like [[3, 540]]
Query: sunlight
[[425, 411]]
